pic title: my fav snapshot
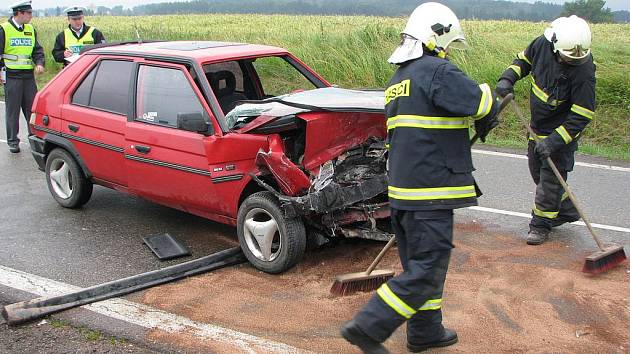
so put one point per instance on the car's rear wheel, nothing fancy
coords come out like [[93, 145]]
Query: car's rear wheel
[[271, 242], [66, 181]]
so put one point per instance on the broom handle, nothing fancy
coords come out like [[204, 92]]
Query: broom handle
[[561, 180], [378, 258]]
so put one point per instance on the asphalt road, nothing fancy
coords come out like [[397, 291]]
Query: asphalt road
[[103, 240]]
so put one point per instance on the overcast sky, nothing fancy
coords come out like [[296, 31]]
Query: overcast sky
[[40, 4]]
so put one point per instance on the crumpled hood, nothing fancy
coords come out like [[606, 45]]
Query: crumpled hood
[[321, 99]]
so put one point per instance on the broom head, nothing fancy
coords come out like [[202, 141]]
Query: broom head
[[604, 260], [347, 284]]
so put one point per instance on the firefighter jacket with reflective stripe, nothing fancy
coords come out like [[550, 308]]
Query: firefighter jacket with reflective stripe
[[562, 98], [75, 44], [18, 47], [429, 105]]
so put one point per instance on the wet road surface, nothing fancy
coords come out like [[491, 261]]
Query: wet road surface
[[493, 279]]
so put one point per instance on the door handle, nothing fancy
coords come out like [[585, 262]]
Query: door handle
[[73, 128], [142, 149]]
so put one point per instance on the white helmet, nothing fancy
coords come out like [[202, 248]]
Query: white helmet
[[433, 24], [571, 37]]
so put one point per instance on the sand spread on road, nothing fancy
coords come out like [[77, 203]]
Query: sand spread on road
[[500, 295]]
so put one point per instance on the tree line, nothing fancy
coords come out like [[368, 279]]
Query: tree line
[[593, 10], [470, 9]]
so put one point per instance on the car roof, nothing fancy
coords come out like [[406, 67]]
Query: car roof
[[200, 51]]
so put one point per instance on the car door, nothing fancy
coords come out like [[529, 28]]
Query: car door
[[166, 164], [95, 116]]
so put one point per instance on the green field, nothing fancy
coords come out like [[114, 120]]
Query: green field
[[352, 52]]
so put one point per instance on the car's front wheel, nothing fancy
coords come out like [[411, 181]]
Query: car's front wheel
[[271, 242], [66, 181]]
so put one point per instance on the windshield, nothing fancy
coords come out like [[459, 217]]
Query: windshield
[[256, 79]]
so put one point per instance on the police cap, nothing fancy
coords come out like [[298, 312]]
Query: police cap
[[22, 6], [74, 11]]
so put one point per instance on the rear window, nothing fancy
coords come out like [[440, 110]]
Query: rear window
[[82, 94], [106, 87]]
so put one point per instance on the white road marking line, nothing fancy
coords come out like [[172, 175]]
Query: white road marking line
[[524, 157], [146, 316], [527, 216], [21, 142]]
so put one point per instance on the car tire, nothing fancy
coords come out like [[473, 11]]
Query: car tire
[[271, 242], [66, 181]]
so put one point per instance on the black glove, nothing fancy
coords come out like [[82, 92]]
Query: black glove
[[543, 148], [484, 126], [504, 87]]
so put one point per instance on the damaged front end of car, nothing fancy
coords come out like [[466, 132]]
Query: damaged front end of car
[[329, 164]]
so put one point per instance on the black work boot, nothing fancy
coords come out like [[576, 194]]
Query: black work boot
[[353, 334], [448, 338], [537, 236], [14, 149]]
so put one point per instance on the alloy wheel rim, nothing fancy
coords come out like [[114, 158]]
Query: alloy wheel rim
[[262, 235], [61, 178]]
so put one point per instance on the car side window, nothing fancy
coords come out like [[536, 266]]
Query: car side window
[[82, 94], [110, 91], [163, 94], [106, 87]]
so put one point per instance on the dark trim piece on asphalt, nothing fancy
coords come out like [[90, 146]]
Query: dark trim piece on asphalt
[[169, 165], [227, 178], [29, 310]]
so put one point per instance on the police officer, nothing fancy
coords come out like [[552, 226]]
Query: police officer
[[562, 103], [21, 55], [429, 103], [70, 41]]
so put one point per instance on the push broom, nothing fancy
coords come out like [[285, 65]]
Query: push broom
[[371, 279], [607, 257]]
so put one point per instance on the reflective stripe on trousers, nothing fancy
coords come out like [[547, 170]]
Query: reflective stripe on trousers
[[424, 242], [398, 305]]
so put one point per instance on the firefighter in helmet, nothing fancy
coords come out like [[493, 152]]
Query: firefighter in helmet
[[429, 104], [562, 104]]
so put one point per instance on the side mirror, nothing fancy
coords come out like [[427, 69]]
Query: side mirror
[[192, 122]]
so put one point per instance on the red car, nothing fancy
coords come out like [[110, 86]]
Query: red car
[[245, 135]]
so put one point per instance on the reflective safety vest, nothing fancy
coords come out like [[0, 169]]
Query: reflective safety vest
[[430, 105], [73, 44], [18, 47]]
